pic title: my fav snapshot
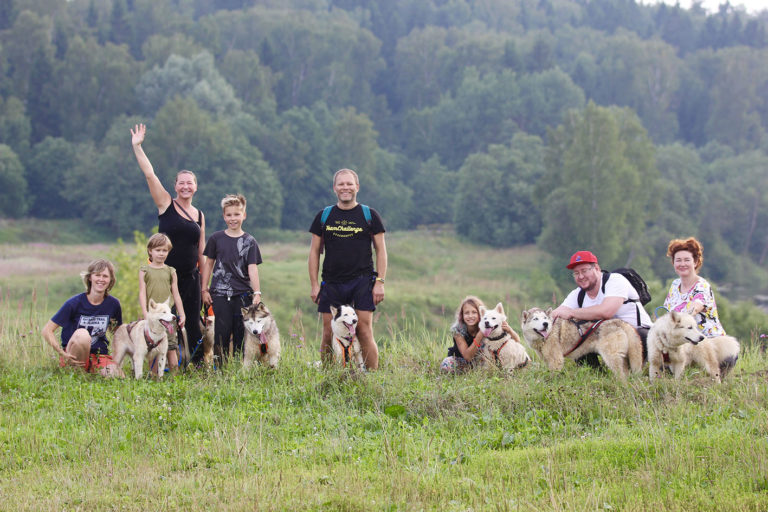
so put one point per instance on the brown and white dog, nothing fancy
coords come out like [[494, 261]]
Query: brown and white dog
[[262, 338], [145, 339], [614, 340], [346, 347], [675, 341]]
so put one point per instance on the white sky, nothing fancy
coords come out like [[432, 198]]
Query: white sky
[[752, 6]]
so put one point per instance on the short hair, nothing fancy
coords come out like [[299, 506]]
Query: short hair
[[469, 299], [233, 200], [689, 244], [185, 171], [349, 171], [158, 240], [98, 266]]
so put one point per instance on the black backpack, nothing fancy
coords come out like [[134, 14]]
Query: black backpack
[[634, 279]]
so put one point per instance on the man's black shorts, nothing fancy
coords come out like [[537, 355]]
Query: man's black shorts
[[357, 293]]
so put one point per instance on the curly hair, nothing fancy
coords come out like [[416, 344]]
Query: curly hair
[[98, 266], [691, 245], [469, 299]]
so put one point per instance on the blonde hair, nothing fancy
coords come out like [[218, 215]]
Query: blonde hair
[[185, 171], [459, 318], [348, 171], [691, 245], [158, 240], [98, 266], [233, 200]]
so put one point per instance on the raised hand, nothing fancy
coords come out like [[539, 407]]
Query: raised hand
[[137, 134]]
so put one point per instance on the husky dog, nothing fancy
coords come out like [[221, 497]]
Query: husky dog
[[675, 341], [262, 339], [616, 341], [346, 347], [145, 339], [501, 347]]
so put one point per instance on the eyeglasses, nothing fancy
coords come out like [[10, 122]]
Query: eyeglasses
[[583, 273]]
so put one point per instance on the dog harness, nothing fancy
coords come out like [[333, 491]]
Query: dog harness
[[151, 344], [584, 335], [496, 352], [345, 349]]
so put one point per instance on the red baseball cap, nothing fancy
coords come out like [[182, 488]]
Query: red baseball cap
[[581, 257]]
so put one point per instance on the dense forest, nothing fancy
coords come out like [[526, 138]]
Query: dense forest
[[569, 123]]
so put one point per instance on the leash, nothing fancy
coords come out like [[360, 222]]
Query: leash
[[584, 336], [656, 312]]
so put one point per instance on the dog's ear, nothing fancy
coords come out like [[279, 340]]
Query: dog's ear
[[499, 308], [152, 303], [244, 311], [524, 316], [481, 311], [675, 317], [167, 301], [548, 311], [334, 311], [261, 307]]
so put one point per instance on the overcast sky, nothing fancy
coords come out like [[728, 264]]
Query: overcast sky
[[752, 6]]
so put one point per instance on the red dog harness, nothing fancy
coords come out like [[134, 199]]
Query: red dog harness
[[151, 344]]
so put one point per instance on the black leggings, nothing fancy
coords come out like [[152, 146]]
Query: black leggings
[[189, 291], [229, 322]]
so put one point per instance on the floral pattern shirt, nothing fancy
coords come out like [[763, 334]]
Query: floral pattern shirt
[[709, 322]]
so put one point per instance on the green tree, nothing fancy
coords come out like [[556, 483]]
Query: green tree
[[495, 198], [600, 172], [196, 78], [15, 127], [13, 186], [51, 161], [95, 84]]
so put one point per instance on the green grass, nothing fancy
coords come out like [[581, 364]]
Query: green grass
[[402, 438]]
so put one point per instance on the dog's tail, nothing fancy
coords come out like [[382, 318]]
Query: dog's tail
[[184, 347]]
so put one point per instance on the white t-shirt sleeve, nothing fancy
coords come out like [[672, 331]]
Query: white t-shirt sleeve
[[619, 286], [572, 300]]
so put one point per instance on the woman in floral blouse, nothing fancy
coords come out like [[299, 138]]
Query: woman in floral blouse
[[690, 292]]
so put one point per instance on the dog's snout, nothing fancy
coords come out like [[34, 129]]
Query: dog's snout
[[546, 325]]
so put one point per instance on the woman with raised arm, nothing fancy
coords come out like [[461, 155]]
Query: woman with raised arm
[[185, 226]]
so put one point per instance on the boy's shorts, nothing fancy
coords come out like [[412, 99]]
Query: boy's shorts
[[94, 364], [358, 293]]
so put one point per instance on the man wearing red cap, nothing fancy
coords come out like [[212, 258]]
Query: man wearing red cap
[[618, 300]]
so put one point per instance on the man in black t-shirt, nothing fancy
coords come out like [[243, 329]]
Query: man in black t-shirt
[[348, 275]]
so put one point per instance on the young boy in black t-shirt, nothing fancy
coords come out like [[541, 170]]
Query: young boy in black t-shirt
[[232, 259]]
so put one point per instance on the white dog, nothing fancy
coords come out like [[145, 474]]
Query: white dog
[[145, 339], [501, 347], [262, 339], [346, 347], [675, 340]]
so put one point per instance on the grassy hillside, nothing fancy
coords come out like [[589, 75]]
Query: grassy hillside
[[402, 438]]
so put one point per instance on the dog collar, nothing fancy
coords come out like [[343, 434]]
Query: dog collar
[[497, 338], [151, 343]]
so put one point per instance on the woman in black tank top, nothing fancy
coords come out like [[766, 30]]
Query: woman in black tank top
[[185, 226]]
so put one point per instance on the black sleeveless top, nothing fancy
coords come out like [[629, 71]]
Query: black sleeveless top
[[185, 237]]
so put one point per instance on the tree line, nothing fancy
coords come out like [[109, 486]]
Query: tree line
[[568, 123]]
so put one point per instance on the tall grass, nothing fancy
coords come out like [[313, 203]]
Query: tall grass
[[402, 438]]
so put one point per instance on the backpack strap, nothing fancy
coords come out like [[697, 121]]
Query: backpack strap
[[326, 213], [367, 213], [606, 276], [583, 293]]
